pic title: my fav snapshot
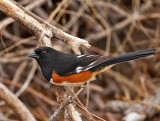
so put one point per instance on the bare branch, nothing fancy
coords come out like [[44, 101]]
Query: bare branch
[[38, 26], [137, 110], [62, 96], [32, 91], [16, 104], [34, 4], [60, 110]]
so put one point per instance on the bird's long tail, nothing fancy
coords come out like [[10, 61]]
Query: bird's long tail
[[126, 57], [130, 56]]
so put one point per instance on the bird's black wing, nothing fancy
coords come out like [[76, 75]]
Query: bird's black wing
[[77, 64], [95, 62]]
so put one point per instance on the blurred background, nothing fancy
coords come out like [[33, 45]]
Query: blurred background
[[112, 27]]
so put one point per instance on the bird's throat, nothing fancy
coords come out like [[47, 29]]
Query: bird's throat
[[47, 71]]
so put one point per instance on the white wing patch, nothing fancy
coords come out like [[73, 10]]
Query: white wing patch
[[92, 63], [88, 68], [90, 55], [79, 69], [80, 56]]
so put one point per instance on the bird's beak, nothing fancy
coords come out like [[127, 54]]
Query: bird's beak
[[34, 55]]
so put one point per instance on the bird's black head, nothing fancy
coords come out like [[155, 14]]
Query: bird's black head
[[46, 58], [51, 60], [41, 52], [45, 55]]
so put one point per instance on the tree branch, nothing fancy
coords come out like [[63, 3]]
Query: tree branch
[[137, 110], [16, 104], [31, 6], [38, 26]]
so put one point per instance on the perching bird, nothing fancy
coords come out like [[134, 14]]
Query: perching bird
[[66, 69]]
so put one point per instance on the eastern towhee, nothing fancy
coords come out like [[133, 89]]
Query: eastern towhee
[[66, 69]]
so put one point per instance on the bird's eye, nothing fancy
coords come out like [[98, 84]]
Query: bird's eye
[[43, 53]]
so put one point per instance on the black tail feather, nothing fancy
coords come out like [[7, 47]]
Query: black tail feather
[[130, 56], [125, 57]]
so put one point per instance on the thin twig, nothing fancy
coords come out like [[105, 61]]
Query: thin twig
[[89, 112], [60, 109], [136, 110], [28, 80], [17, 74], [32, 91]]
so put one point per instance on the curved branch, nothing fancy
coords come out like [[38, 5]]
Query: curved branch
[[41, 29], [16, 104]]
